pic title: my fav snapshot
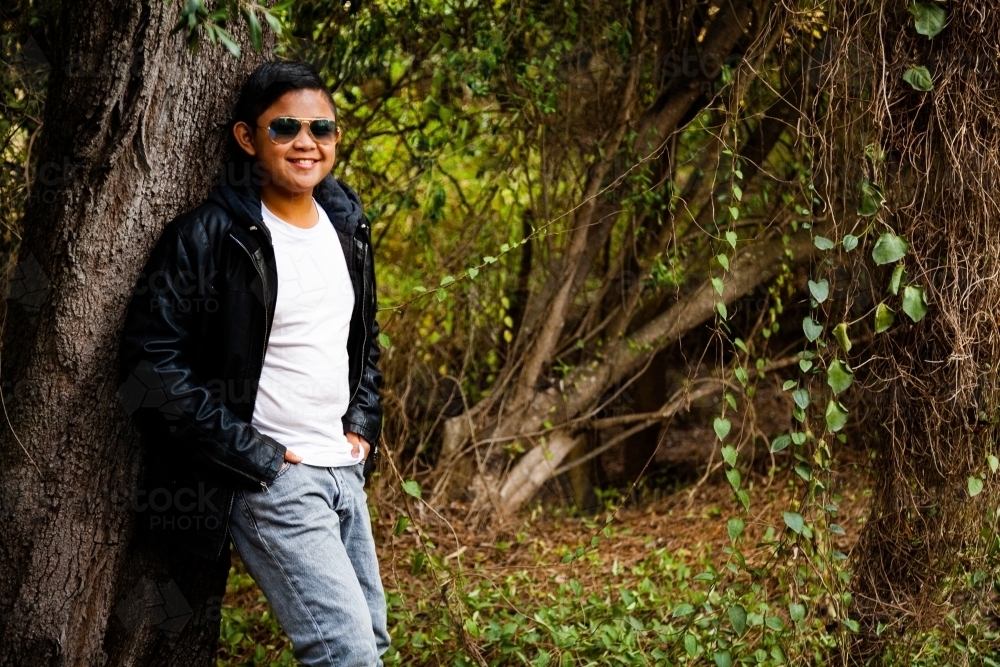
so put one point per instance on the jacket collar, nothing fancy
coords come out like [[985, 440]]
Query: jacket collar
[[242, 201]]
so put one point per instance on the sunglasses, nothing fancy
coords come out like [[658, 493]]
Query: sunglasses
[[285, 128]]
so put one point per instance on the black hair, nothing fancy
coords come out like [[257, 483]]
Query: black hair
[[264, 86]]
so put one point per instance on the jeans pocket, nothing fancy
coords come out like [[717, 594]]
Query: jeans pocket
[[286, 466]]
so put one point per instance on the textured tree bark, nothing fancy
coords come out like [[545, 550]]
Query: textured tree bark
[[132, 137]]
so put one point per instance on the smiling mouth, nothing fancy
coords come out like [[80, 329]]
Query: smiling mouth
[[305, 162]]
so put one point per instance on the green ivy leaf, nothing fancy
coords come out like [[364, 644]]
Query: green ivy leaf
[[836, 416], [884, 317], [744, 499], [722, 427], [735, 527], [889, 248], [897, 279], [812, 329], [412, 488], [737, 192], [383, 340], [993, 462], [914, 304], [928, 18], [823, 243], [801, 398], [717, 284], [794, 521], [839, 376], [805, 365], [723, 261], [781, 442], [840, 334], [721, 309], [733, 475], [850, 242], [820, 290], [797, 611], [729, 454], [734, 212], [731, 238], [871, 200], [975, 486], [919, 78], [738, 618], [723, 659], [473, 272], [788, 385]]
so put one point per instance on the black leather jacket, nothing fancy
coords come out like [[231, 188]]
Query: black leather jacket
[[192, 350]]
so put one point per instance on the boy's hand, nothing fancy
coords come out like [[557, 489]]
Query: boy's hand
[[358, 443], [290, 457]]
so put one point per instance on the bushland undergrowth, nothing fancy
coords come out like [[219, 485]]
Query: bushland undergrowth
[[641, 582]]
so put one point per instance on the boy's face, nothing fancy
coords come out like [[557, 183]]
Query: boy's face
[[297, 166]]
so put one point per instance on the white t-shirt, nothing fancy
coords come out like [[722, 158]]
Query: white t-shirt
[[303, 391]]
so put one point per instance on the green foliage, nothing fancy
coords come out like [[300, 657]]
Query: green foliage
[[839, 376], [889, 248], [836, 416], [928, 17], [820, 290], [871, 199], [914, 304], [721, 427], [919, 78], [812, 329], [197, 21], [842, 337], [659, 610], [884, 317]]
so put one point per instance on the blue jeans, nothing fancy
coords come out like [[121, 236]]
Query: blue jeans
[[308, 544]]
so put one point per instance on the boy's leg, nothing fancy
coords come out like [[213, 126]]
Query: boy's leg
[[290, 541], [356, 533]]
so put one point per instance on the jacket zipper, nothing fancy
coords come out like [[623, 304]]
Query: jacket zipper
[[364, 338], [263, 282], [225, 518], [245, 474], [263, 352]]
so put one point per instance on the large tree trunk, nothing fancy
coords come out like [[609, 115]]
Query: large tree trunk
[[934, 421], [132, 137]]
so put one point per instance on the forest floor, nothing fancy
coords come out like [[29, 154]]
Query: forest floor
[[557, 587]]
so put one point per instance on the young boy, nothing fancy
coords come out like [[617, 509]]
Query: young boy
[[249, 361]]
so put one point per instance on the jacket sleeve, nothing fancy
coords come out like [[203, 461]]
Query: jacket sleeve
[[157, 384], [364, 414]]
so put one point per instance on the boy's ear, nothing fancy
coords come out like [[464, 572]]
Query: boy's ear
[[244, 137]]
